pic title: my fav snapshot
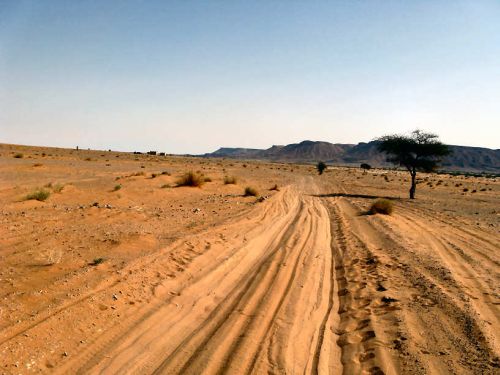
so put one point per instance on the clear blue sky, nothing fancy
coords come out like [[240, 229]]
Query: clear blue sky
[[191, 76]]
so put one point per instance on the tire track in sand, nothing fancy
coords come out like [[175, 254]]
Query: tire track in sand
[[263, 303]]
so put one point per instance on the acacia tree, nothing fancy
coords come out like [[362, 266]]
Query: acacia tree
[[321, 166], [417, 152]]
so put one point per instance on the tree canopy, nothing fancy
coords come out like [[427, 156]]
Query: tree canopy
[[419, 151]]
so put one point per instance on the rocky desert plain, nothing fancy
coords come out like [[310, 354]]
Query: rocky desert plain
[[118, 271]]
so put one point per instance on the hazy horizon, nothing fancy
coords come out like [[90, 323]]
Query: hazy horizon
[[190, 77]]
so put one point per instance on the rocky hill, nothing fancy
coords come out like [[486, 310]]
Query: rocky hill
[[463, 158]]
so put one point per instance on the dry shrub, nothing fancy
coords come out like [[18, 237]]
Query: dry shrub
[[191, 179], [57, 188], [251, 192], [230, 180], [97, 261], [207, 179], [381, 206], [275, 187], [39, 195]]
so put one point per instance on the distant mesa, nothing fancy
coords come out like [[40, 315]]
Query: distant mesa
[[464, 158]]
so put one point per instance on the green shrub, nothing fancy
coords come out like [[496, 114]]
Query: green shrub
[[191, 179], [39, 195], [321, 166], [230, 180], [117, 187], [381, 206], [251, 192]]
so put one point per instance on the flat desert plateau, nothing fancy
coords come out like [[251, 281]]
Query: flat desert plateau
[[119, 271]]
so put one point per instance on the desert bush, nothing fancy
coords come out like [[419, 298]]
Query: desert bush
[[251, 192], [117, 187], [275, 187], [165, 186], [88, 159], [381, 206], [207, 179], [191, 179], [39, 195], [230, 180], [19, 156], [97, 261], [37, 165], [365, 166], [465, 190], [154, 175], [166, 173], [321, 166]]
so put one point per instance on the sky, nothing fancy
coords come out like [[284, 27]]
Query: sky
[[192, 76]]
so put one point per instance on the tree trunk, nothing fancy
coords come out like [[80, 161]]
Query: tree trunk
[[413, 184]]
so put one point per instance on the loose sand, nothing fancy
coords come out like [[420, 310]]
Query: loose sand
[[152, 278]]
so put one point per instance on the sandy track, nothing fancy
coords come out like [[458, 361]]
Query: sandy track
[[418, 294], [260, 299], [300, 284]]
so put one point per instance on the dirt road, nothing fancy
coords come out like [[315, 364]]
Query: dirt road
[[305, 284], [309, 286]]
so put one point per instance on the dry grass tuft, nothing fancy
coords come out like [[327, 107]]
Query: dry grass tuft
[[97, 261], [57, 188], [39, 195], [230, 180], [251, 192], [381, 206], [191, 179]]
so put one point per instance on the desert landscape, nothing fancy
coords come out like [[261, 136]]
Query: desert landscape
[[108, 266]]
